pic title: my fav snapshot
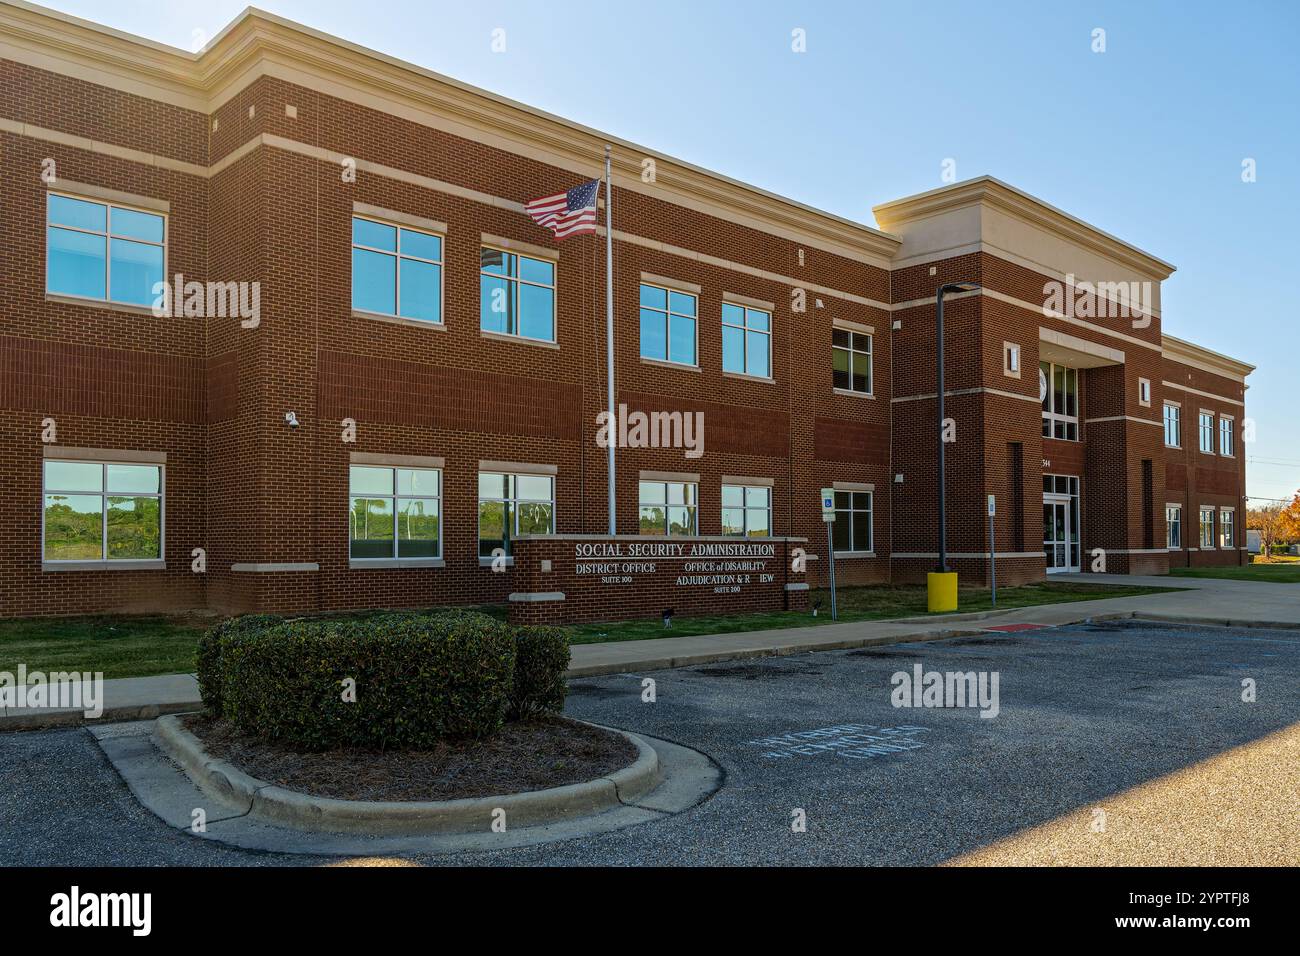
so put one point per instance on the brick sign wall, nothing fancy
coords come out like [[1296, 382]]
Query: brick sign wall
[[567, 579]]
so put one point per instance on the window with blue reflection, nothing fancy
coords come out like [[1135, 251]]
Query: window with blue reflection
[[396, 271], [746, 340], [667, 325], [97, 250], [516, 295]]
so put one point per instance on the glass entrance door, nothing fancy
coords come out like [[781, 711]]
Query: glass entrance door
[[1060, 534]]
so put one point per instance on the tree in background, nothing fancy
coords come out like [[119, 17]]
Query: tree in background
[[1289, 529], [1271, 522]]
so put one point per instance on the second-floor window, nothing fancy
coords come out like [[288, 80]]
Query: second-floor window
[[396, 271], [1207, 432], [851, 360], [1060, 387], [1173, 426], [667, 325], [1225, 436], [746, 340], [103, 251], [516, 295], [667, 507]]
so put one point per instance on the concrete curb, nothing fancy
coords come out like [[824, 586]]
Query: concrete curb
[[50, 719], [300, 811]]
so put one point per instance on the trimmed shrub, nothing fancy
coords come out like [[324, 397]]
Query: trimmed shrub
[[207, 657], [541, 661], [419, 678]]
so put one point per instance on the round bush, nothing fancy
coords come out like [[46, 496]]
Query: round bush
[[418, 678]]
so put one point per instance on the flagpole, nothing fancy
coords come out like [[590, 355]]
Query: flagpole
[[609, 335]]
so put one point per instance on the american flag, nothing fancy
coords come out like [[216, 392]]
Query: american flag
[[571, 213]]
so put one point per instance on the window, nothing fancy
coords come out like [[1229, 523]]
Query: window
[[102, 511], [1225, 436], [395, 513], [98, 250], [1173, 426], [1011, 359], [1207, 432], [1227, 527], [851, 360], [668, 507], [510, 505], [1174, 526], [1060, 390], [852, 528], [396, 271], [1207, 529], [667, 325], [516, 295], [1144, 392], [746, 340], [747, 510]]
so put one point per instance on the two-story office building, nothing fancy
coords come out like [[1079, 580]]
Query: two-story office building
[[277, 333]]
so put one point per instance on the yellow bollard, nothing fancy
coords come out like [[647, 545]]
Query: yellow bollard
[[941, 590]]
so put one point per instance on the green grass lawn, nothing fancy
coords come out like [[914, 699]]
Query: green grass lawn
[[866, 603], [1287, 572], [118, 645], [143, 645]]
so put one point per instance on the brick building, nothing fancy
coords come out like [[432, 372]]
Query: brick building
[[377, 369]]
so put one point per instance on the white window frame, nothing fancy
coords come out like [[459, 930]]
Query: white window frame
[[848, 514], [104, 494], [1011, 359], [109, 206], [1227, 527], [1173, 519], [1177, 419], [395, 498], [1051, 415], [1206, 541], [744, 507], [854, 335], [694, 509], [744, 338], [1205, 432], [1227, 437], [668, 314], [397, 277], [514, 501], [514, 283]]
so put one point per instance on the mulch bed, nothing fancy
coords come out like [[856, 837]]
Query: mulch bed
[[532, 755]]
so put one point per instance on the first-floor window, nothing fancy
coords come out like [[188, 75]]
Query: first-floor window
[[102, 511], [747, 510], [1207, 528], [395, 512], [1227, 527], [852, 527], [511, 505], [668, 507], [1174, 524]]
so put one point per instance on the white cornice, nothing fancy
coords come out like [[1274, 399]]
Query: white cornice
[[1207, 360], [988, 191], [258, 44]]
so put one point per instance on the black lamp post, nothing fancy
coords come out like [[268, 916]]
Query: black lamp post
[[938, 325]]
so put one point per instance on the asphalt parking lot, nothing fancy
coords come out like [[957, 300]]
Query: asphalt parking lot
[[1085, 714]]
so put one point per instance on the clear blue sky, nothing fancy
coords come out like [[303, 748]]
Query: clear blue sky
[[1145, 140]]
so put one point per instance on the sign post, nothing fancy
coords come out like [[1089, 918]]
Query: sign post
[[828, 516], [993, 567]]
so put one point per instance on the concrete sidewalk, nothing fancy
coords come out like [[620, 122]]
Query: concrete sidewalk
[[1207, 601]]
